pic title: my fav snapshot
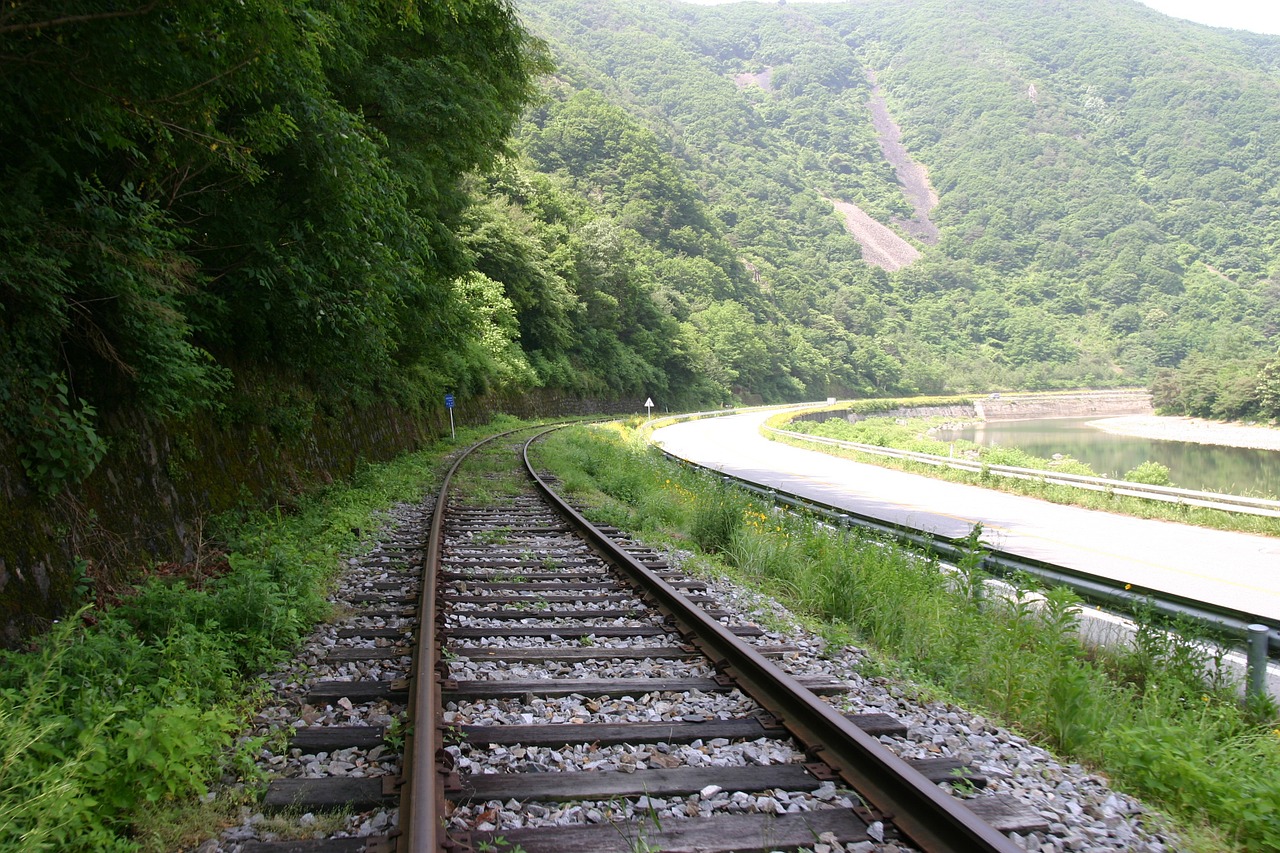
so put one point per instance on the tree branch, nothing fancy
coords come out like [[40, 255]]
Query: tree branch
[[6, 29], [174, 98]]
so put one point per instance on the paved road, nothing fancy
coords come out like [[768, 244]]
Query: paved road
[[1235, 570]]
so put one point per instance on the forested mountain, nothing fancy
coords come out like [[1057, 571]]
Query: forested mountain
[[1107, 179], [352, 202]]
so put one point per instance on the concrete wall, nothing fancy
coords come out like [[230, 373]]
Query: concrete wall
[[1098, 404], [1015, 407], [958, 413]]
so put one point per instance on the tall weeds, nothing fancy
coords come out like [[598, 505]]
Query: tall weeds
[[1159, 717], [118, 715]]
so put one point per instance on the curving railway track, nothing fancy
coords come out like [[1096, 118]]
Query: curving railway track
[[571, 691]]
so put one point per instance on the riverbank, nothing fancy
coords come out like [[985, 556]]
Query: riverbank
[[1195, 430], [905, 434]]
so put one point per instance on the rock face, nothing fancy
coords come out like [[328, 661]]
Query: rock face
[[1097, 403], [149, 497], [1017, 407], [881, 245], [912, 175]]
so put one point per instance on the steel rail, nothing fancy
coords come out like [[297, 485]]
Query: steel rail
[[1128, 599], [426, 764], [927, 816]]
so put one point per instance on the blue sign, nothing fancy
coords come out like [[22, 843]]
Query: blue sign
[[448, 401]]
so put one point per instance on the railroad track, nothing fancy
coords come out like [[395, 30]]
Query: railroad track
[[574, 692]]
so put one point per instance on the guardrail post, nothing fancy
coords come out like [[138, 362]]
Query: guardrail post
[[1258, 635]]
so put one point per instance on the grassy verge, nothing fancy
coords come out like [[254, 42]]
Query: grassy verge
[[1148, 716], [909, 435], [115, 723]]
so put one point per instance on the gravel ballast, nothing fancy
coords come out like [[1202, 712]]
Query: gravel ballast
[[1081, 811]]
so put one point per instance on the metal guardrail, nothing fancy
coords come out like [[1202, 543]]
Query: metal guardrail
[[659, 421], [1170, 494], [929, 818], [1092, 588]]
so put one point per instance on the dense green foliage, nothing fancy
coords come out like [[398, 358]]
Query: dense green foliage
[[582, 288], [793, 315], [114, 717], [1231, 389], [329, 192], [1158, 717], [1103, 175], [195, 190]]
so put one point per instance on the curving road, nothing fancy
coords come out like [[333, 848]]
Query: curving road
[[1236, 570]]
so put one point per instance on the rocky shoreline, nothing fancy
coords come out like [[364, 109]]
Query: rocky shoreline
[[1167, 428]]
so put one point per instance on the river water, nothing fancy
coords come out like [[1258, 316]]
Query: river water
[[1231, 470]]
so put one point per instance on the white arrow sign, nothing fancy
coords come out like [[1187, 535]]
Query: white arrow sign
[[648, 405]]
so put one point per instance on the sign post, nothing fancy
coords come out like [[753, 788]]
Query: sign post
[[648, 405], [448, 404]]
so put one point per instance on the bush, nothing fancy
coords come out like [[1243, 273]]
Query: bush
[[91, 728], [103, 722], [717, 517], [1149, 473], [1012, 457]]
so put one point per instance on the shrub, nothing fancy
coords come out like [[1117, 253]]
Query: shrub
[[1149, 473], [101, 723]]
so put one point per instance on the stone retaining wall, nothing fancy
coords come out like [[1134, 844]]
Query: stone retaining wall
[[1029, 406], [148, 500], [1019, 407]]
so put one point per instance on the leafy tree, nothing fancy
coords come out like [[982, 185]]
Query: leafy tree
[[199, 189], [1269, 390]]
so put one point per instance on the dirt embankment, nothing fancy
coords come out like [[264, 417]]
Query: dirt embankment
[[912, 175], [881, 245]]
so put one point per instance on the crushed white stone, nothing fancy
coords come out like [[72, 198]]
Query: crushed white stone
[[1082, 811]]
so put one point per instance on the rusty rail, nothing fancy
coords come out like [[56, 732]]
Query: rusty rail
[[426, 765], [931, 819]]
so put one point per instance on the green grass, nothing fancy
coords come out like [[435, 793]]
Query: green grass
[[488, 477], [909, 435], [116, 721], [1147, 715]]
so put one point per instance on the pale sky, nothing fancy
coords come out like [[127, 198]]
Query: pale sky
[[1260, 16]]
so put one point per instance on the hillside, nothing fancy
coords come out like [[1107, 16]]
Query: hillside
[[249, 249], [1104, 175], [232, 230]]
